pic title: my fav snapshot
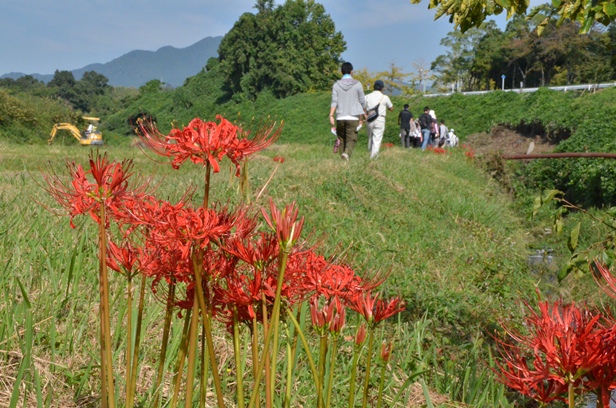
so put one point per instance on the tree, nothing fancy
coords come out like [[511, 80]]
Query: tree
[[63, 85], [289, 49], [421, 75], [455, 66], [471, 13], [394, 79]]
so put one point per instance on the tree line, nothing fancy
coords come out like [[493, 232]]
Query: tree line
[[530, 52]]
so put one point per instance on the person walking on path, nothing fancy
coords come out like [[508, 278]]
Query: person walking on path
[[443, 131], [376, 128], [425, 122], [349, 104], [405, 118]]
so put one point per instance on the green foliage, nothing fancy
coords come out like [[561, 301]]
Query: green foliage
[[467, 14], [560, 55], [286, 50]]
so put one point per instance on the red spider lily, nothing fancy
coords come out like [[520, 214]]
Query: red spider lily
[[534, 382], [569, 346], [246, 145], [373, 309], [386, 349], [388, 145], [285, 223], [259, 252], [208, 142], [331, 316], [240, 292], [123, 259], [278, 159], [360, 336], [439, 150], [103, 183], [608, 284]]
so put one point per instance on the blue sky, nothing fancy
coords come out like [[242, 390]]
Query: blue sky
[[40, 36]]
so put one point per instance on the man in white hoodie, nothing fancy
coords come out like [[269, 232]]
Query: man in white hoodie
[[349, 105]]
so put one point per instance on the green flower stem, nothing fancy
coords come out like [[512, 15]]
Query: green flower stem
[[177, 380], [192, 353], [165, 340], [313, 367], [238, 364], [332, 367], [381, 385], [368, 363], [292, 350], [255, 348], [266, 327], [287, 394], [571, 395], [206, 192], [245, 182], [272, 331], [129, 340], [137, 347], [106, 361], [322, 358], [282, 266], [204, 368], [198, 269], [356, 351]]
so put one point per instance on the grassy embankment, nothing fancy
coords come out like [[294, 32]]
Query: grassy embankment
[[451, 241]]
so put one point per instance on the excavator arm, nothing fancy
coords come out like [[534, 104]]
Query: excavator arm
[[65, 126]]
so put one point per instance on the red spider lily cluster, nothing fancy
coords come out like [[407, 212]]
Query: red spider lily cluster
[[208, 142], [567, 350], [468, 151], [224, 264]]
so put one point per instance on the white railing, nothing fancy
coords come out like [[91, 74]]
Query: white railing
[[565, 88]]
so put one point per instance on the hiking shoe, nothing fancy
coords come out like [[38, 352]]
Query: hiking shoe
[[344, 156]]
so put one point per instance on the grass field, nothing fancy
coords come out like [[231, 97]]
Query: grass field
[[452, 243]]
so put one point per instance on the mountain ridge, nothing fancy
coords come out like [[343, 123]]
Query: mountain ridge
[[169, 64]]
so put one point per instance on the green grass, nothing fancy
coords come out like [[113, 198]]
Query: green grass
[[451, 242]]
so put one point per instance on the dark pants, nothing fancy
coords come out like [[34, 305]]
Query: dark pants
[[405, 137], [347, 132]]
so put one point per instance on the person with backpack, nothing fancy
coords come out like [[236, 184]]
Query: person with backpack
[[376, 128], [425, 122]]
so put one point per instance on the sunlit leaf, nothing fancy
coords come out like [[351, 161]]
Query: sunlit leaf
[[573, 238]]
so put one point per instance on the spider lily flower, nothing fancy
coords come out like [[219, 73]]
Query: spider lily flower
[[124, 259], [535, 381], [373, 309], [285, 224], [608, 283], [331, 316], [258, 252], [208, 142], [568, 345], [360, 337], [386, 349], [104, 183]]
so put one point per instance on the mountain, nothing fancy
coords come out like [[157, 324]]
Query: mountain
[[169, 64]]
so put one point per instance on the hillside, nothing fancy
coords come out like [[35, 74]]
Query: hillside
[[168, 64]]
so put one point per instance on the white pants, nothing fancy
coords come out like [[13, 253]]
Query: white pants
[[375, 136]]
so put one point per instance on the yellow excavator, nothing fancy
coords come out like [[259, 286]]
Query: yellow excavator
[[90, 136]]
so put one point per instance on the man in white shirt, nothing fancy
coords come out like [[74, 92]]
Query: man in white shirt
[[376, 128]]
